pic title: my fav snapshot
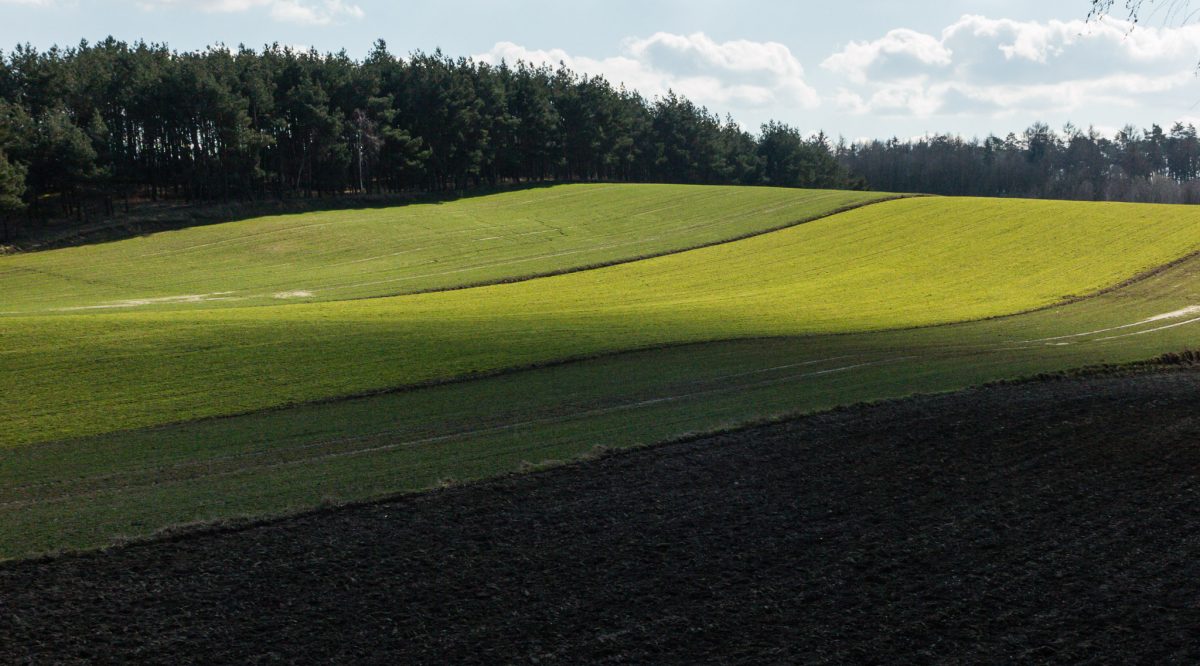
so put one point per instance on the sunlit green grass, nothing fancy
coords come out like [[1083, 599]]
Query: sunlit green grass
[[890, 265], [372, 252], [85, 493]]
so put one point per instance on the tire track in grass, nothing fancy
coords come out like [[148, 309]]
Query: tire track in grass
[[211, 463], [467, 434], [1059, 340], [373, 435], [690, 395], [1152, 330], [1183, 312]]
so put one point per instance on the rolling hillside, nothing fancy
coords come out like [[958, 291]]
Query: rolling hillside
[[363, 253], [896, 264], [810, 317]]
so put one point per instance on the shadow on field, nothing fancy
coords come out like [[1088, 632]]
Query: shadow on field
[[152, 217], [1045, 520]]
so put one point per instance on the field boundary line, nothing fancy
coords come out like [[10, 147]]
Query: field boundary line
[[437, 382], [643, 257], [245, 522], [429, 439], [884, 198], [333, 441]]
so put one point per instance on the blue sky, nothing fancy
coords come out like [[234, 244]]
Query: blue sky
[[859, 69]]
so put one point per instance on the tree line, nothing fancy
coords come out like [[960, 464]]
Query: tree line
[[1149, 165], [109, 122], [85, 128]]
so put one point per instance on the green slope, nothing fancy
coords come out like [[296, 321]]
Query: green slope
[[87, 492], [891, 265], [362, 253]]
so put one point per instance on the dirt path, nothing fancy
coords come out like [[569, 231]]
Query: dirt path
[[1049, 521]]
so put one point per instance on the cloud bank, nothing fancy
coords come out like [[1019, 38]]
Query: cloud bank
[[291, 11], [997, 67], [739, 73]]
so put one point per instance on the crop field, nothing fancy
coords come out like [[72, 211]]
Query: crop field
[[100, 431], [377, 252], [897, 264], [1049, 519]]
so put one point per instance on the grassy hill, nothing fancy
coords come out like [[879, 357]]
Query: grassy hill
[[897, 264], [836, 299], [338, 255]]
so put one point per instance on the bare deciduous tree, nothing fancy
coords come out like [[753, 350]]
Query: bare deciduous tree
[[1167, 11]]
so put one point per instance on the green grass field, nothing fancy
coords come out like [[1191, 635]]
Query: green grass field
[[807, 318], [378, 252], [897, 264]]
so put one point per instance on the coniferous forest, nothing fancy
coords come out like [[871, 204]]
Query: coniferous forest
[[1151, 165], [89, 128], [113, 121]]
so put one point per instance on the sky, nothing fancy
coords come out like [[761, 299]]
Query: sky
[[858, 69]]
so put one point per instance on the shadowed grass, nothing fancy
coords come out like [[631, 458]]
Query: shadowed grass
[[337, 255], [87, 492], [898, 264]]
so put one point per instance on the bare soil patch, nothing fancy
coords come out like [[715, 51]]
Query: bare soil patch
[[1043, 521]]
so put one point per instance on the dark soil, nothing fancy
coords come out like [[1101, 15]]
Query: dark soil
[[1049, 521]]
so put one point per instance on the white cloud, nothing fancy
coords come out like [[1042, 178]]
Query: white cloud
[[999, 67], [309, 12], [849, 101], [740, 73], [299, 12], [897, 45]]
